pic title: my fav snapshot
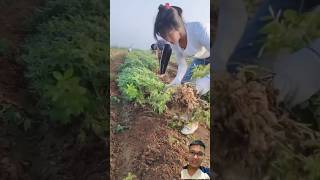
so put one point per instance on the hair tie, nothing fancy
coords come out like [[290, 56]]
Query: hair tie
[[167, 5]]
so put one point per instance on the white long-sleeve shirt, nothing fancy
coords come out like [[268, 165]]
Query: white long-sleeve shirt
[[198, 46]]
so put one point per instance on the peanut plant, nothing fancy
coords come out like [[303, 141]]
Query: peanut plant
[[66, 62], [138, 82], [292, 32], [200, 71]]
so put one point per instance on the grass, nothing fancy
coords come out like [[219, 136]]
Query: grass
[[120, 128], [114, 99]]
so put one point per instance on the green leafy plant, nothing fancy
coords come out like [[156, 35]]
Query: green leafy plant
[[200, 71], [294, 166], [201, 115], [292, 32], [65, 9], [138, 82], [66, 62], [176, 123], [131, 91], [141, 59], [119, 128], [158, 100], [67, 97]]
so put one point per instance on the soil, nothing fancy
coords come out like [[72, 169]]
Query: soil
[[44, 151], [148, 147], [12, 18]]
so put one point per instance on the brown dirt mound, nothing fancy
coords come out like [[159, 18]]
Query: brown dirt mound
[[145, 151], [84, 162]]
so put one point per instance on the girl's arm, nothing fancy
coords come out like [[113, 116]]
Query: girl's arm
[[203, 84], [182, 68], [205, 35]]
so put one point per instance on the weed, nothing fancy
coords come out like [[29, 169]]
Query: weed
[[130, 176]]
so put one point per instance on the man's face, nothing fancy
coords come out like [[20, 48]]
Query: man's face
[[195, 155]]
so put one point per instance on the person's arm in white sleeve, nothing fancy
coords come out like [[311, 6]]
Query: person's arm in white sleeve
[[182, 68], [205, 36], [297, 75], [203, 85]]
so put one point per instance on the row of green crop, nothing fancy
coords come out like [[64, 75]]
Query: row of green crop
[[292, 32], [138, 82], [66, 60]]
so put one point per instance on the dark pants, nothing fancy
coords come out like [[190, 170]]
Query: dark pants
[[165, 57]]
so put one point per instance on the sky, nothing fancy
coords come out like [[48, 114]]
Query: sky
[[131, 22]]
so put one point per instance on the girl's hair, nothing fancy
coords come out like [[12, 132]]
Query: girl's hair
[[168, 18]]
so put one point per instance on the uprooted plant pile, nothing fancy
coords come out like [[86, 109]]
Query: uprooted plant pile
[[139, 83], [253, 129]]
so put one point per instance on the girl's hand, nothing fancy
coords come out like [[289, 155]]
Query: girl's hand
[[173, 84]]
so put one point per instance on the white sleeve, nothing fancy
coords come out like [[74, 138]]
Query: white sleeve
[[182, 68], [205, 36], [203, 85]]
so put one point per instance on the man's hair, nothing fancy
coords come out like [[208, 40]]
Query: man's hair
[[197, 142]]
